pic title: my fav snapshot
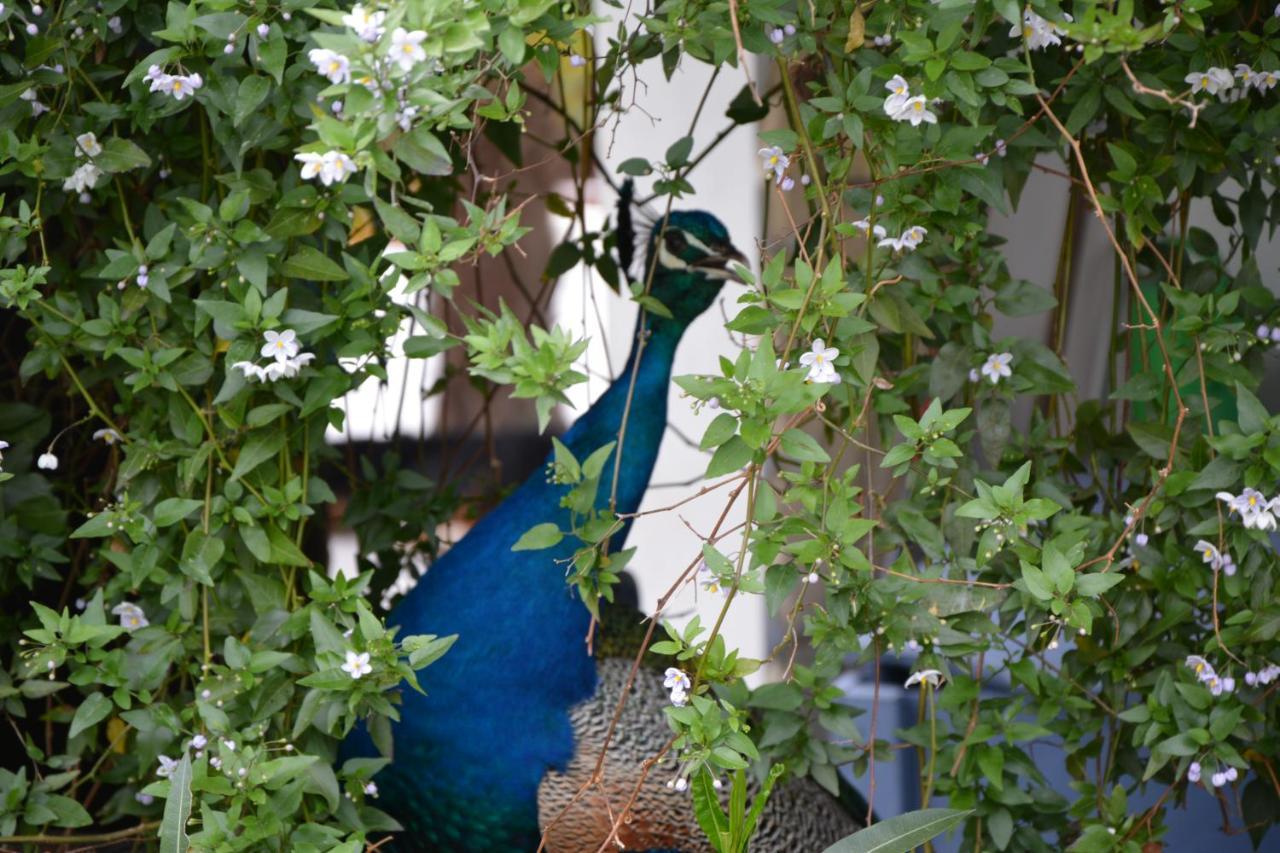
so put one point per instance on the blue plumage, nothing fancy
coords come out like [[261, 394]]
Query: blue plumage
[[470, 755]]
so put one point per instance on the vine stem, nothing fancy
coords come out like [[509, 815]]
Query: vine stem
[[98, 838], [1158, 328]]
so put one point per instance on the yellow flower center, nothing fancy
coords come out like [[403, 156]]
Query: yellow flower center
[[1252, 500], [1204, 80], [917, 106]]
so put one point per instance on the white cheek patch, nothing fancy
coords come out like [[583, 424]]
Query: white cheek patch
[[668, 260]]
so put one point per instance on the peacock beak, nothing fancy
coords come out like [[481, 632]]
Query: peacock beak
[[717, 265]]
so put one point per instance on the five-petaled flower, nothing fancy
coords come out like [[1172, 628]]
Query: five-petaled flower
[[330, 63], [332, 167], [899, 93], [877, 231], [87, 145], [1256, 512], [371, 788], [167, 766], [357, 664], [775, 161], [406, 47], [1038, 32], [915, 110], [708, 579], [47, 461], [132, 617], [1212, 80], [997, 366], [107, 435], [281, 346], [368, 25], [932, 677], [678, 683], [820, 360]]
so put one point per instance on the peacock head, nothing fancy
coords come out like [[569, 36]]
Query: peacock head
[[690, 256]]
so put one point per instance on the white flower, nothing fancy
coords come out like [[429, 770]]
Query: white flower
[[1201, 667], [931, 677], [776, 35], [143, 798], [182, 86], [1255, 511], [1232, 774], [87, 145], [230, 745], [577, 60], [997, 366], [47, 461], [199, 742], [251, 370], [679, 697], [1265, 80], [788, 183], [311, 164], [1218, 779], [263, 31], [682, 784], [820, 360], [83, 178], [370, 787], [1038, 32], [915, 110], [1244, 74], [1210, 554], [330, 63], [132, 617], [335, 167], [167, 766], [774, 161], [674, 679], [357, 664], [368, 25], [973, 374], [1211, 80], [1193, 772], [280, 345], [900, 92], [215, 762], [405, 118], [107, 435], [864, 225], [406, 47], [913, 236], [114, 24]]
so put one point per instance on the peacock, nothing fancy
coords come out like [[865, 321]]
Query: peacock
[[519, 704]]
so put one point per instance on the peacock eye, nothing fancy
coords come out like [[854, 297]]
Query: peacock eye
[[675, 241]]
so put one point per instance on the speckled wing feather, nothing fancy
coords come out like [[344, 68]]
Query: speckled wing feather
[[800, 816]]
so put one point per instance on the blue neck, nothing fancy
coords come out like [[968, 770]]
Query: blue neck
[[496, 716]]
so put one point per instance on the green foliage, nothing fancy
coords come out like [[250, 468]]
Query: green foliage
[[143, 269]]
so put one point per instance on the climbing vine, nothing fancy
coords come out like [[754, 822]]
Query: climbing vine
[[219, 219]]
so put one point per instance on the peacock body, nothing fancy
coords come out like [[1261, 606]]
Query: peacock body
[[516, 701]]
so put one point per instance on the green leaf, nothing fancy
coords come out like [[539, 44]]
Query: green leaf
[[177, 809], [313, 265], [1253, 416], [802, 447], [902, 833], [545, 535], [423, 152], [1095, 584], [121, 155], [729, 457], [92, 711], [258, 449], [172, 510]]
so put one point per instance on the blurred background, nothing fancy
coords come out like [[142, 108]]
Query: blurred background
[[429, 412]]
